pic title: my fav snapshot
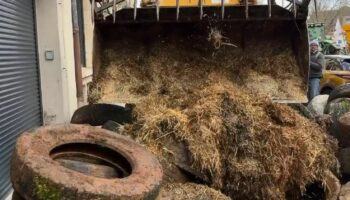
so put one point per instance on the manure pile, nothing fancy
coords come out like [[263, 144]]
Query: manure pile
[[210, 110]]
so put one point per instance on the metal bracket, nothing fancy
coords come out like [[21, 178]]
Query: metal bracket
[[294, 9], [270, 7], [200, 9], [114, 10], [177, 9], [222, 9], [93, 11], [157, 10], [246, 6], [135, 9]]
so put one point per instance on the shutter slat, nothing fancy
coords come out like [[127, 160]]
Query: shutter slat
[[20, 104]]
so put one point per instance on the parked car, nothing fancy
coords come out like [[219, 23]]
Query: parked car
[[337, 62], [336, 74], [332, 79]]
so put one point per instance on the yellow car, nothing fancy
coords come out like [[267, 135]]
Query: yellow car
[[336, 74], [332, 79]]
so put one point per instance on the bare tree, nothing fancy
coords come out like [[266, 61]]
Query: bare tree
[[323, 5], [328, 12]]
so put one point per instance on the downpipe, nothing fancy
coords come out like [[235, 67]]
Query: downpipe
[[77, 56]]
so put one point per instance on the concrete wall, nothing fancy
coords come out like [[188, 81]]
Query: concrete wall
[[54, 29]]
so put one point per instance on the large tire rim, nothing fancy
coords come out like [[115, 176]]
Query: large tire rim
[[83, 162]]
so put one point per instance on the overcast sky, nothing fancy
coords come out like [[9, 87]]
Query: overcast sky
[[265, 1], [285, 2], [279, 2]]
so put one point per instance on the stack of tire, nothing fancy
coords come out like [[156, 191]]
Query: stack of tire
[[43, 167], [333, 111], [338, 107], [343, 128]]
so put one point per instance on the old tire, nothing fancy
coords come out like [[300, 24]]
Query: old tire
[[112, 126], [303, 110], [332, 186], [344, 128], [36, 174], [344, 159], [338, 107], [345, 192], [16, 196], [98, 114], [342, 91], [318, 104]]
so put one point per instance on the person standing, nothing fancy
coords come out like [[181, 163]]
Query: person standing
[[317, 64]]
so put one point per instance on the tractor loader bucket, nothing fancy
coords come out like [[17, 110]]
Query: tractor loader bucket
[[250, 28]]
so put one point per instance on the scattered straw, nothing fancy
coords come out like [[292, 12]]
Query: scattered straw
[[189, 191]]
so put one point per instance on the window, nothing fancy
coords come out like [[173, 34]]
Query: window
[[347, 20]]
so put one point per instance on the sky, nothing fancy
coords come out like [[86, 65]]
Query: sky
[[265, 1], [279, 2], [285, 2]]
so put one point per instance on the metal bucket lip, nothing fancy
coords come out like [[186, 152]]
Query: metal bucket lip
[[194, 14]]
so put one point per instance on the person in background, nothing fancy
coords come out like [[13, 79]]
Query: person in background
[[317, 64]]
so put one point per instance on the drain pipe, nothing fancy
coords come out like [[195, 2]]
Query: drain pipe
[[77, 56]]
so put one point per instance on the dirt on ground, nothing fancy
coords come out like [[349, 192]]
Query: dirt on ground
[[208, 112]]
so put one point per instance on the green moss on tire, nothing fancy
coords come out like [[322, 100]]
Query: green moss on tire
[[343, 108], [338, 107], [45, 191]]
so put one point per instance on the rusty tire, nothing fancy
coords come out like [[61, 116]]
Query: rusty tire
[[36, 174], [344, 159], [16, 196], [344, 126], [338, 107], [342, 91], [332, 186]]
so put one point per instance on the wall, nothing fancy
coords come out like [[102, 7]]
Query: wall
[[92, 41], [92, 50], [89, 33], [54, 27]]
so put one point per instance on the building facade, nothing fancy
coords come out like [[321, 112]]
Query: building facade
[[37, 69]]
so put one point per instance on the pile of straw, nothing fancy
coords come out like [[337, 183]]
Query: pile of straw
[[189, 191], [213, 108]]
